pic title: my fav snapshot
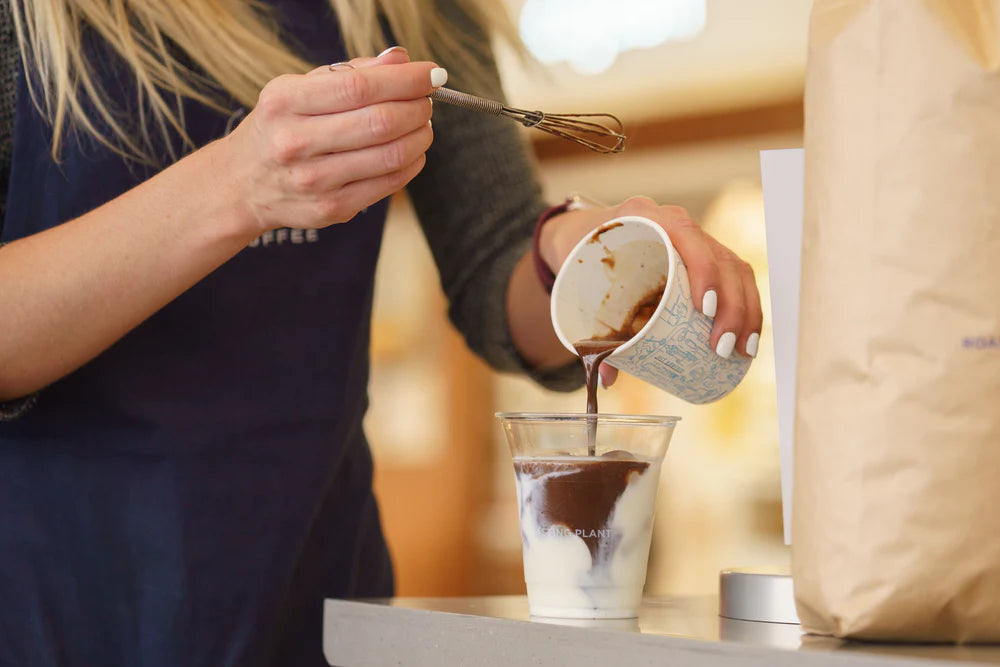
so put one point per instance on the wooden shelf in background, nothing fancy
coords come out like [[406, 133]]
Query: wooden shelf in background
[[771, 118]]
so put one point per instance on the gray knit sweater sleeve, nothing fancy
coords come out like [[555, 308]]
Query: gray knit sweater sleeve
[[478, 199]]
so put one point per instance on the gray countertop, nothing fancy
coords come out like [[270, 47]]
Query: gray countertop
[[487, 631]]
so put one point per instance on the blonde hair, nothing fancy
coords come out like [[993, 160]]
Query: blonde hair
[[234, 45]]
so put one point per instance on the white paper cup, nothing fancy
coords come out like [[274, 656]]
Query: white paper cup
[[604, 277]]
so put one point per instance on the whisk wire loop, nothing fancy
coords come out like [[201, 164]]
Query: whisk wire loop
[[584, 128]]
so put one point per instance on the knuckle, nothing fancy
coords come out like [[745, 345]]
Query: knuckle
[[273, 99], [379, 123], [286, 146], [676, 211], [304, 179], [400, 178], [267, 105], [330, 208], [396, 180], [394, 156], [354, 88], [729, 258], [684, 223], [637, 204]]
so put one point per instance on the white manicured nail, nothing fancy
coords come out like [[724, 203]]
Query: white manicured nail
[[600, 380], [753, 341], [727, 342], [439, 77], [390, 50], [709, 303]]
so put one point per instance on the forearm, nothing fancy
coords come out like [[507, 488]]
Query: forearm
[[529, 321], [71, 291]]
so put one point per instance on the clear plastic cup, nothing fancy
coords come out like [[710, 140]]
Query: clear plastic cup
[[586, 515]]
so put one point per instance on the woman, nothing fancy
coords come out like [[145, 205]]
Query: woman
[[183, 350]]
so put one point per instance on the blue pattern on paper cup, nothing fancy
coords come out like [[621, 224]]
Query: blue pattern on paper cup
[[674, 354]]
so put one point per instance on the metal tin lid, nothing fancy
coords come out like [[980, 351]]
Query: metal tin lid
[[757, 594]]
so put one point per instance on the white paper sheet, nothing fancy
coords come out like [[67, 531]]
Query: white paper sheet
[[782, 178]]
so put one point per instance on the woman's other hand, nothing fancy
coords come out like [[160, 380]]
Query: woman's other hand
[[722, 285]]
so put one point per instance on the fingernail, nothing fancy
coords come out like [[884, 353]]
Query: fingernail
[[430, 124], [724, 348], [439, 77], [753, 341], [600, 381], [391, 49], [709, 303]]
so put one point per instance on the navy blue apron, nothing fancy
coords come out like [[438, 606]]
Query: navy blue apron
[[190, 496]]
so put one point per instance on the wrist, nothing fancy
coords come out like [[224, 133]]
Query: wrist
[[228, 206], [544, 248]]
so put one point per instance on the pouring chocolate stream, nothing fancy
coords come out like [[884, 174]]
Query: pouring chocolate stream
[[593, 351]]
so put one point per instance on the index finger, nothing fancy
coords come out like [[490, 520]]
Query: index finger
[[349, 89], [394, 55]]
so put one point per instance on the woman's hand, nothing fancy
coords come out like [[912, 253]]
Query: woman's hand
[[722, 285], [320, 147]]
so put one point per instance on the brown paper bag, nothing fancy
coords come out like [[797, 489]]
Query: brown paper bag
[[896, 528]]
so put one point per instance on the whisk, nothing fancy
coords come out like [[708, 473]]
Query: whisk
[[600, 137]]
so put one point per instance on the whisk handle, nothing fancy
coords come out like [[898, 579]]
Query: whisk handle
[[467, 101]]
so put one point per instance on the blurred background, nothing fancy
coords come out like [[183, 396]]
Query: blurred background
[[702, 86]]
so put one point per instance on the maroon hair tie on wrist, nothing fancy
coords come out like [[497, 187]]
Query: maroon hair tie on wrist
[[545, 274]]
